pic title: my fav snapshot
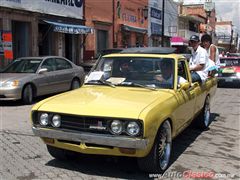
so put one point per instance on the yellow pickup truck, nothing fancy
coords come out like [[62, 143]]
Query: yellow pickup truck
[[133, 104]]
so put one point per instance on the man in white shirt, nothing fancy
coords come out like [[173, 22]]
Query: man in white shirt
[[198, 61]]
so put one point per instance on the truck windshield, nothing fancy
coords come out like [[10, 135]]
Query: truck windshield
[[145, 71]]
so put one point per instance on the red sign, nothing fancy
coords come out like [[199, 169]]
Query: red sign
[[7, 45], [7, 37], [8, 54]]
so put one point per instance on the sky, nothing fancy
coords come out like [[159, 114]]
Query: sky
[[226, 10]]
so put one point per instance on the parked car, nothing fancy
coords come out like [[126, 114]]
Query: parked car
[[229, 72], [125, 109], [28, 77], [233, 55]]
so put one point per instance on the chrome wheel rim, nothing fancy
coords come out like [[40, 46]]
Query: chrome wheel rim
[[207, 113], [164, 151]]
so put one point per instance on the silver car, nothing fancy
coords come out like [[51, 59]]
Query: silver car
[[29, 77]]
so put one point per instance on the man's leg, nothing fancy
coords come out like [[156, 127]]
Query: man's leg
[[195, 77]]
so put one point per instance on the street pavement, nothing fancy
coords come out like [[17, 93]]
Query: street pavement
[[214, 152]]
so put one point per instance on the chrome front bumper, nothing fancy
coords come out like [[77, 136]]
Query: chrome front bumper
[[100, 139]]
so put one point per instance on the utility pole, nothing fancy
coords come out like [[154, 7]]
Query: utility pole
[[163, 7], [231, 40]]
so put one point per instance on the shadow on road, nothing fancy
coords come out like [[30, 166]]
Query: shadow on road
[[20, 103], [122, 167]]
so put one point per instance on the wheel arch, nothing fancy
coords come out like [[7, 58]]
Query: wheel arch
[[76, 78], [34, 88], [161, 124]]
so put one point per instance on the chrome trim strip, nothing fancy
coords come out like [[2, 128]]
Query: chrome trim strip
[[100, 139]]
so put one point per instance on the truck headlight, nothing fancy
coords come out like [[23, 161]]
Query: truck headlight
[[56, 121], [133, 128], [116, 127], [43, 120], [238, 74]]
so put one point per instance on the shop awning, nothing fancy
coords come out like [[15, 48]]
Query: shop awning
[[69, 28], [134, 29], [179, 41]]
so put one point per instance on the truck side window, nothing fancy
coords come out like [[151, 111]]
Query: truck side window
[[182, 70]]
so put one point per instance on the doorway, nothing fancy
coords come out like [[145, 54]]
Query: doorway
[[102, 40], [45, 39], [71, 47], [21, 38]]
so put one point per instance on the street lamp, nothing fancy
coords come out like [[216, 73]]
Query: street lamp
[[145, 12], [208, 7]]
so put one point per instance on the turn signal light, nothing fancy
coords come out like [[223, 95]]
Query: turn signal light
[[127, 150]]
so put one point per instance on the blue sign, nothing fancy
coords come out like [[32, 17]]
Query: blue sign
[[156, 29], [156, 13], [69, 28]]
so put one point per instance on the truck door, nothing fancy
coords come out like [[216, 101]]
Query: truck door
[[186, 97]]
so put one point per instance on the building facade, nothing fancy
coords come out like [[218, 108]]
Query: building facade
[[116, 23], [130, 23], [226, 36], [42, 28], [99, 15]]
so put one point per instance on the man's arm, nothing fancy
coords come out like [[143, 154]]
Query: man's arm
[[197, 67], [212, 53]]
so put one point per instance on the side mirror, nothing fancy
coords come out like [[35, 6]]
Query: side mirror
[[185, 86], [42, 71]]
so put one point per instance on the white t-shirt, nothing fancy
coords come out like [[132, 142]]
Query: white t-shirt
[[200, 56]]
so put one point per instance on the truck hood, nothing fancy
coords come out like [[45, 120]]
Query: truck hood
[[104, 101]]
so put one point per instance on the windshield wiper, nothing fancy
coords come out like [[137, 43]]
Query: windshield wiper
[[137, 85], [102, 82]]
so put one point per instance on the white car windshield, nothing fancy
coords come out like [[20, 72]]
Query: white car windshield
[[137, 71]]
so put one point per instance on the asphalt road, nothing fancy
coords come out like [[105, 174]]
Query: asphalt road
[[214, 152]]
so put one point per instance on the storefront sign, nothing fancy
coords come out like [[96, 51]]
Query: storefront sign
[[129, 17], [7, 45], [156, 29], [65, 8], [69, 28], [156, 13]]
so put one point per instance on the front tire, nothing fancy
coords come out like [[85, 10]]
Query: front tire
[[159, 157], [27, 94]]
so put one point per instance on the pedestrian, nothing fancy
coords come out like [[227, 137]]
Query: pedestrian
[[198, 60], [213, 54], [222, 54]]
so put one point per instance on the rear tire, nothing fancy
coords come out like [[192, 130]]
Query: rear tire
[[75, 84], [60, 154], [157, 161], [203, 119], [27, 94]]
